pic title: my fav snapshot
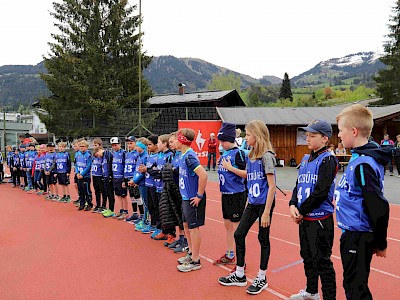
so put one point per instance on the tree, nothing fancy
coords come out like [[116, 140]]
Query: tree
[[225, 82], [388, 80], [286, 90], [92, 66]]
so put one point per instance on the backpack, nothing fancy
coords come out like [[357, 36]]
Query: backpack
[[292, 162]]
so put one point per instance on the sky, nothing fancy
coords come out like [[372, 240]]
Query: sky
[[253, 37]]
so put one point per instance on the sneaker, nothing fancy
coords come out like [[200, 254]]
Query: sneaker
[[56, 198], [67, 199], [398, 176], [225, 260], [117, 215], [160, 237], [132, 218], [185, 259], [304, 295], [156, 232], [95, 210], [81, 207], [77, 202], [108, 213], [88, 207], [391, 174], [233, 280], [174, 245], [101, 210], [257, 286], [189, 266], [123, 216], [140, 226], [148, 229], [62, 200], [180, 248], [170, 240], [138, 220]]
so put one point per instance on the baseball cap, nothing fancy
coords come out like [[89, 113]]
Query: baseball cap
[[51, 145], [114, 140], [319, 126], [130, 138]]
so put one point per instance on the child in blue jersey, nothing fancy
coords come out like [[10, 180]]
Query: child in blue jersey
[[37, 176], [192, 185], [76, 149], [129, 170], [311, 207], [97, 175], [9, 153], [260, 174], [83, 167], [15, 166], [106, 167], [29, 163], [139, 179], [232, 187], [149, 169], [63, 166], [118, 166], [362, 212], [22, 170], [164, 156], [50, 170]]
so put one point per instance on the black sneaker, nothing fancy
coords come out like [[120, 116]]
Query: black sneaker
[[77, 202], [95, 210], [233, 280], [88, 207], [81, 208], [257, 287]]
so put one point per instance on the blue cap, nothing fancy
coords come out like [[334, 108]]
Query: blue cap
[[130, 139], [227, 132], [319, 126], [22, 146]]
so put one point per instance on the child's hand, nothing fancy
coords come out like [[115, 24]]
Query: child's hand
[[381, 253], [226, 164], [195, 201], [265, 220], [295, 214]]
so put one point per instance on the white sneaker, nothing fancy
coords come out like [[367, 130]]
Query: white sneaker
[[185, 259], [303, 295]]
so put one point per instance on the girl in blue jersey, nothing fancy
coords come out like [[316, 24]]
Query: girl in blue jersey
[[37, 177], [232, 187], [29, 160], [15, 165], [97, 176], [63, 166], [50, 172], [260, 174]]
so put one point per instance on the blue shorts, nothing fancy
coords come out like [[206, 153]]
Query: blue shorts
[[192, 215]]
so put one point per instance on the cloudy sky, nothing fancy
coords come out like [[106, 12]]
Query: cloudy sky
[[254, 37]]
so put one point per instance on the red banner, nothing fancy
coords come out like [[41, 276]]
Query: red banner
[[203, 130]]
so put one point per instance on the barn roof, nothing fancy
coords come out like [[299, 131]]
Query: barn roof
[[293, 115]]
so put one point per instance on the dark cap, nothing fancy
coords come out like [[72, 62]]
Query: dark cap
[[319, 126], [130, 139], [227, 132], [51, 145], [22, 146]]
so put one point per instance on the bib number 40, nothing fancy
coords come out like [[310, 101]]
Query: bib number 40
[[254, 190]]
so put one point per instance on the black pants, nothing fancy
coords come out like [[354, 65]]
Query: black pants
[[1, 172], [108, 187], [99, 190], [250, 215], [356, 250], [22, 174], [153, 200], [316, 241], [397, 158], [15, 177], [45, 186], [85, 194], [211, 156]]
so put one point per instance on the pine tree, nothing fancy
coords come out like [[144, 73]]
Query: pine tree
[[388, 80], [92, 65], [286, 90]]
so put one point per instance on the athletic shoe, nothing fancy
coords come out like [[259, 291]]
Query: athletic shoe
[[174, 245], [88, 207], [160, 237], [140, 226], [108, 213], [138, 220], [56, 198], [225, 260], [132, 218], [81, 207], [185, 259], [156, 232], [180, 248], [170, 240], [257, 286], [62, 200], [117, 215], [304, 295], [67, 199], [148, 229], [190, 266], [77, 202], [233, 280], [101, 210], [123, 216], [391, 174], [95, 210]]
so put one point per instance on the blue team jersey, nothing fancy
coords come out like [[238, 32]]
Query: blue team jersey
[[43, 161], [230, 183], [62, 159], [97, 169], [49, 161], [257, 183], [188, 179], [107, 157], [30, 159], [83, 163], [8, 159], [22, 159], [118, 163], [37, 162], [130, 163], [350, 212], [306, 180], [138, 177], [15, 161], [162, 159], [150, 164]]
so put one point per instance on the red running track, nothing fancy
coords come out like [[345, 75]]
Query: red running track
[[50, 250]]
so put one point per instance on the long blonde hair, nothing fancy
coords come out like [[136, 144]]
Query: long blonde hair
[[261, 134]]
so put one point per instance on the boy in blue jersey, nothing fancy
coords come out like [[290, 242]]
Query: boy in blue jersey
[[22, 170], [139, 179], [129, 170], [63, 167], [50, 170], [362, 212], [106, 167], [83, 167], [15, 166], [97, 176], [192, 185], [29, 162], [118, 166], [37, 177], [311, 207], [232, 187]]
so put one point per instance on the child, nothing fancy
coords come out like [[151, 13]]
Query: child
[[362, 212], [260, 173], [76, 149], [42, 169], [129, 170], [29, 161], [22, 169], [37, 165], [63, 166], [232, 187], [311, 207], [82, 170], [50, 172], [10, 153], [118, 165], [15, 166], [97, 175], [106, 166], [138, 179], [192, 185]]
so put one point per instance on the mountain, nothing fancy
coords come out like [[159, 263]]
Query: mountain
[[352, 69]]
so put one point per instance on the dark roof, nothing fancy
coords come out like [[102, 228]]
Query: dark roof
[[198, 97], [293, 115]]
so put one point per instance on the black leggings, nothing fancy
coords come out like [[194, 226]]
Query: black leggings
[[108, 187], [99, 190], [250, 215]]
